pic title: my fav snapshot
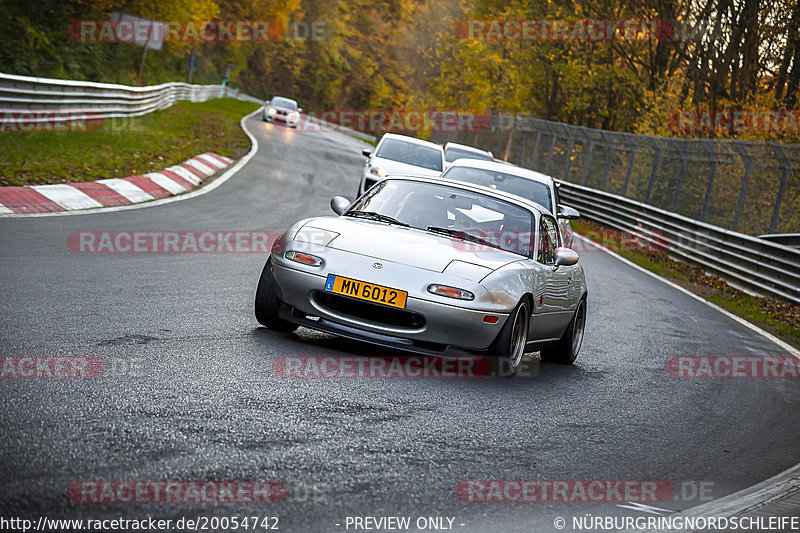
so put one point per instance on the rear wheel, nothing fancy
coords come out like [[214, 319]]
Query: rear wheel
[[566, 350], [267, 303], [508, 348]]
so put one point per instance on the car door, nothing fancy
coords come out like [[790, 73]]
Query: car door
[[545, 323], [559, 299]]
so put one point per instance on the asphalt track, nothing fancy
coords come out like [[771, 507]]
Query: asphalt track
[[189, 391]]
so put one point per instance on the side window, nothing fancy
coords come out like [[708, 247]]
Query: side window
[[548, 240]]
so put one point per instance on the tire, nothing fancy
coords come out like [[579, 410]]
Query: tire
[[508, 348], [267, 303], [566, 350]]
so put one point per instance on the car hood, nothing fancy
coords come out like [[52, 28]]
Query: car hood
[[392, 168], [413, 247]]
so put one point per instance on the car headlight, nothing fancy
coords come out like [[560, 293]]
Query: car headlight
[[377, 171], [293, 116], [450, 292], [272, 111], [306, 259]]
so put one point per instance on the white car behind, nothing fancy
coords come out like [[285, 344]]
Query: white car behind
[[401, 155], [528, 184]]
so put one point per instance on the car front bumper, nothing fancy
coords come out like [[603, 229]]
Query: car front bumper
[[446, 329]]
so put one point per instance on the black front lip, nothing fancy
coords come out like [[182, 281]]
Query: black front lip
[[388, 341]]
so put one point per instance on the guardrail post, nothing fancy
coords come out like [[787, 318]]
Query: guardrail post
[[776, 209], [710, 187], [585, 174], [567, 159], [552, 149], [630, 167], [682, 149], [536, 147], [608, 160], [521, 150], [654, 172], [748, 160]]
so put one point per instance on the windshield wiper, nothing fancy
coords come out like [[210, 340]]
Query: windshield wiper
[[463, 235], [372, 215]]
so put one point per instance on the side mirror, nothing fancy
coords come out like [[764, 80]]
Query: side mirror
[[570, 213], [366, 153], [339, 204], [299, 109], [565, 257]]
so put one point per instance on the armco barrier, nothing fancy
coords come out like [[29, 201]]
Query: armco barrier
[[45, 100], [757, 266]]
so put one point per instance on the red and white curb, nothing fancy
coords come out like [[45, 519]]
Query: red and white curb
[[112, 192]]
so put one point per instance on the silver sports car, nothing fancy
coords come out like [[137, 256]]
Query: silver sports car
[[431, 266]]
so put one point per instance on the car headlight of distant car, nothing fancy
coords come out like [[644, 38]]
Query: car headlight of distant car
[[306, 259], [293, 116], [377, 171], [272, 111], [450, 292]]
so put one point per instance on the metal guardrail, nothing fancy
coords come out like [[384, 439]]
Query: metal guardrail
[[747, 186], [787, 239], [755, 265], [44, 100]]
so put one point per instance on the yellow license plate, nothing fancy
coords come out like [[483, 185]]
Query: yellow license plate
[[366, 291]]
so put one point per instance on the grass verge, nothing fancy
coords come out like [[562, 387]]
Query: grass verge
[[123, 147], [782, 319]]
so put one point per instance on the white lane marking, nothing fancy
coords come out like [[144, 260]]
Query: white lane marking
[[67, 196], [166, 182], [210, 161], [127, 189], [4, 209], [186, 174], [208, 188], [636, 506], [772, 338], [203, 167]]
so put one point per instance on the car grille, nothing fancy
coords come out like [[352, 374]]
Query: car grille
[[280, 112], [370, 312]]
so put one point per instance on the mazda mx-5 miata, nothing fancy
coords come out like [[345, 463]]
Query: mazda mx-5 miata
[[431, 266]]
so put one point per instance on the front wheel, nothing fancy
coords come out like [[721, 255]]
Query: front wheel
[[566, 350], [267, 303], [508, 348]]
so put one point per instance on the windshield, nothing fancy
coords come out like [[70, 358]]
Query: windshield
[[411, 154], [451, 154], [524, 187], [450, 212], [284, 103]]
